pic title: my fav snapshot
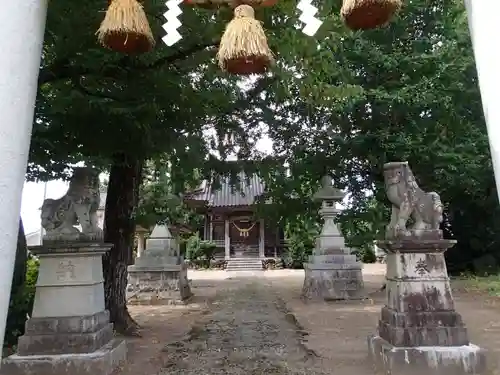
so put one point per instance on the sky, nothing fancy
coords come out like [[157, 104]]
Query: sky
[[33, 194], [33, 199]]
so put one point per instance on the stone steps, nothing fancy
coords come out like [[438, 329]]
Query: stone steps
[[244, 264]]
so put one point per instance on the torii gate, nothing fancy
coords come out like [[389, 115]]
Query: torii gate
[[22, 25]]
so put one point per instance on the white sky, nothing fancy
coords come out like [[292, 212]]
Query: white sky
[[33, 199], [33, 194]]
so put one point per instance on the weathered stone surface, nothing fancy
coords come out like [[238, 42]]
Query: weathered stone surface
[[332, 285], [408, 200], [419, 330], [159, 287], [339, 257], [70, 331], [160, 274], [64, 343], [430, 336], [420, 310], [78, 205], [429, 360], [59, 335], [67, 324], [102, 362], [160, 246], [70, 281], [331, 273]]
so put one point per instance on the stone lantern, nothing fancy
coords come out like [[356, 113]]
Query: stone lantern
[[332, 272], [159, 276]]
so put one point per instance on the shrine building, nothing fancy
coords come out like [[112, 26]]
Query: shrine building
[[231, 219]]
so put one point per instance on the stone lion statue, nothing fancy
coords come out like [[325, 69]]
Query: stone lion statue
[[408, 200], [78, 206]]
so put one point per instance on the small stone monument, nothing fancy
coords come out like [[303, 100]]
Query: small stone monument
[[160, 275], [419, 331], [69, 331], [332, 272]]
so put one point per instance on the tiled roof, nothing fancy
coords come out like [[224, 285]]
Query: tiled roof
[[226, 195]]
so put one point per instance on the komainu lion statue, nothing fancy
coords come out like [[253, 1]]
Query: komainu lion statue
[[78, 206], [408, 200]]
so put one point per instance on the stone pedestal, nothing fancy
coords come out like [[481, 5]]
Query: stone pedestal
[[159, 276], [69, 331], [333, 277], [332, 272], [419, 330]]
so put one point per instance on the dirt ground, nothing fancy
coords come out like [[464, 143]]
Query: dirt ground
[[255, 323]]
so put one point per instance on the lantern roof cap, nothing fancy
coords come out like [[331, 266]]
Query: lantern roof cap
[[327, 191]]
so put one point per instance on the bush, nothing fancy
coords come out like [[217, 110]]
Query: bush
[[207, 250], [200, 252], [300, 246], [365, 254], [272, 264], [192, 247], [21, 304]]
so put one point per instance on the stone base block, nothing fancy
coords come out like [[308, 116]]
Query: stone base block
[[66, 324], [102, 362], [424, 336], [333, 284], [429, 360], [65, 343], [65, 335], [329, 258], [154, 298], [158, 287]]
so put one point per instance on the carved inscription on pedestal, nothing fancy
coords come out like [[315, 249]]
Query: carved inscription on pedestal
[[65, 270], [421, 267]]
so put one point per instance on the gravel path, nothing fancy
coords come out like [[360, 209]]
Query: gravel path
[[246, 330]]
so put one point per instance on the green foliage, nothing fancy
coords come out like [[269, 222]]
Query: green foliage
[[301, 237], [94, 103], [342, 103], [489, 283], [192, 247], [200, 252], [160, 203], [21, 304], [365, 254], [363, 224], [411, 93]]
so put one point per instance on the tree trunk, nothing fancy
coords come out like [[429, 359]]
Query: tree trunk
[[19, 277], [119, 228], [18, 311]]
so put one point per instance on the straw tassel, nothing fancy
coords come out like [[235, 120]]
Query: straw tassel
[[368, 14], [243, 48], [232, 3], [125, 28]]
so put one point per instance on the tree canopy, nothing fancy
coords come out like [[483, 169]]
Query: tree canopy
[[342, 103], [413, 95]]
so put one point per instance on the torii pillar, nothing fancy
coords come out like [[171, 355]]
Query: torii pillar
[[482, 25], [22, 25]]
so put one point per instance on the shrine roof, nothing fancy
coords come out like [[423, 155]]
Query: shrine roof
[[228, 195]]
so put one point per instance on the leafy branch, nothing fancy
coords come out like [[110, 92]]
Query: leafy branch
[[63, 69]]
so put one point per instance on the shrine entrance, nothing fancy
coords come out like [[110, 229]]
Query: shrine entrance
[[244, 237], [232, 222]]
